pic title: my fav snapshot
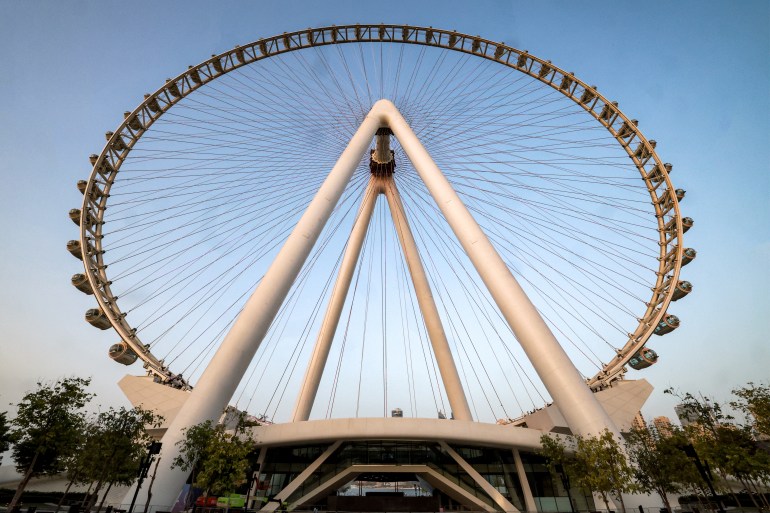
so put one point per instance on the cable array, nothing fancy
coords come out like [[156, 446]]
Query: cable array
[[207, 196]]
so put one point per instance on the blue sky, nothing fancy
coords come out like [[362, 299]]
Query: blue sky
[[696, 75]]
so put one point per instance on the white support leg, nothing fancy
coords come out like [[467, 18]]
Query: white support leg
[[223, 374], [336, 302], [446, 363], [529, 499], [582, 411]]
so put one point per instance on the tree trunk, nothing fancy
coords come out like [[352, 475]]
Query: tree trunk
[[622, 502], [149, 486], [724, 477], [664, 498], [747, 487], [104, 497], [23, 484], [761, 494], [606, 502], [66, 491], [754, 489], [92, 498]]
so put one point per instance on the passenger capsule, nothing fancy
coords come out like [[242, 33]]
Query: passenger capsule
[[153, 104], [96, 317], [642, 151], [119, 144], [545, 69], [643, 358], [627, 129], [121, 353], [680, 194], [75, 215], [240, 55], [687, 223], [80, 282], [667, 325], [588, 95], [96, 192], [607, 111], [682, 289], [105, 168], [133, 122], [73, 246], [194, 75], [688, 255], [173, 88]]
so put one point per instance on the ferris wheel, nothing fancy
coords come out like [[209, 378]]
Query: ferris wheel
[[199, 186]]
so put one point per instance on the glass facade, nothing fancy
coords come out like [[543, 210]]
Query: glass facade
[[496, 466]]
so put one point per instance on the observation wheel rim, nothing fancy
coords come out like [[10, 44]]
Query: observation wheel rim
[[625, 130]]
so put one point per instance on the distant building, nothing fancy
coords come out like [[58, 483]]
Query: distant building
[[685, 418], [638, 422], [663, 425]]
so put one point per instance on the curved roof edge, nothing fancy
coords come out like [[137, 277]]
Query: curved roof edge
[[453, 431]]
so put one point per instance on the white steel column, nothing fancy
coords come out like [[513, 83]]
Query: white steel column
[[529, 499], [582, 411], [336, 302], [220, 379], [446, 364]]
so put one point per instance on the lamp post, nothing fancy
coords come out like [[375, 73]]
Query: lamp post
[[704, 471], [144, 468]]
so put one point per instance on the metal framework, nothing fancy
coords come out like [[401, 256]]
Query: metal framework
[[654, 173]]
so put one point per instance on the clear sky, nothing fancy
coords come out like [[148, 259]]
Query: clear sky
[[696, 74]]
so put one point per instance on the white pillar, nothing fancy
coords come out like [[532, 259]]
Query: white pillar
[[336, 302], [529, 500], [582, 411], [446, 364], [220, 379]]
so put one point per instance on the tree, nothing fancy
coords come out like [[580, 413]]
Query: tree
[[754, 400], [734, 452], [115, 444], [598, 464], [6, 436], [556, 461], [605, 467], [720, 443], [48, 428], [217, 458], [660, 466]]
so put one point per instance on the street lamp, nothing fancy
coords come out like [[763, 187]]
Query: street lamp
[[704, 471], [144, 468]]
